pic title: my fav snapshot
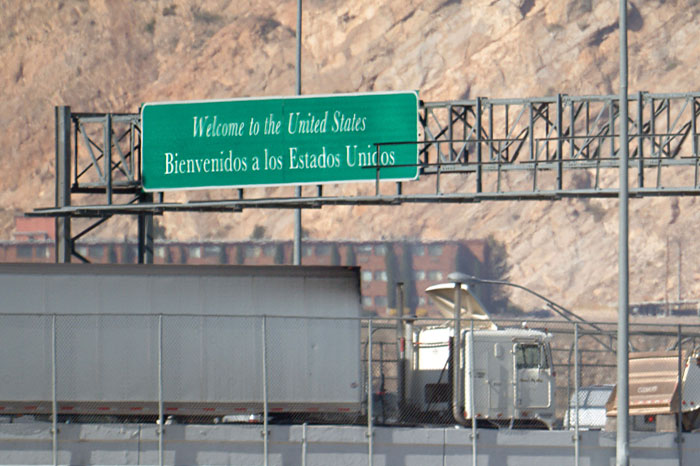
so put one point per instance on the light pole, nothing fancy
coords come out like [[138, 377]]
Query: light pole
[[297, 190], [622, 450]]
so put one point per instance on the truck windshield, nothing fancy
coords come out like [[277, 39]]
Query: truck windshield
[[529, 355]]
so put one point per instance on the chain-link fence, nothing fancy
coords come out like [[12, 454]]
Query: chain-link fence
[[204, 369]]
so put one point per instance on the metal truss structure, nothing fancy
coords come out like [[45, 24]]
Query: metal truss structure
[[469, 151]]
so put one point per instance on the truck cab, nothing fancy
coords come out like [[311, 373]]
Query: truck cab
[[510, 370]]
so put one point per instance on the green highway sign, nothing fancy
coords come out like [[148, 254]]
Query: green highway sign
[[278, 141]]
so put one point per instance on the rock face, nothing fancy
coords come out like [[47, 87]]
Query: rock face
[[102, 55]]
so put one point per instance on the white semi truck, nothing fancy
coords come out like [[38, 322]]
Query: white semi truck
[[505, 376]]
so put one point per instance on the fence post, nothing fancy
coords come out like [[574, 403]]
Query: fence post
[[264, 387], [472, 404], [303, 444], [370, 401], [54, 403], [679, 428], [577, 437], [401, 359], [161, 421]]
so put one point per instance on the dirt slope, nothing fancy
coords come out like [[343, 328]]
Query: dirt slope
[[103, 55]]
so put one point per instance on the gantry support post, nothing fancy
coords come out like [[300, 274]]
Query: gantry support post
[[63, 165], [145, 226]]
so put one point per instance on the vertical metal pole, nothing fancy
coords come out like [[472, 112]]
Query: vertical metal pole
[[161, 420], [74, 166], [298, 56], [370, 400], [652, 127], [622, 452], [679, 407], [424, 122], [297, 190], [450, 112], [297, 230], [303, 444], [560, 144], [640, 140], [458, 409], [491, 137], [378, 172], [668, 125], [141, 238], [478, 145], [457, 376], [54, 402], [145, 233], [572, 130], [694, 133], [148, 259], [472, 403], [577, 437], [132, 149], [547, 123], [264, 387], [401, 341], [108, 157], [507, 133], [63, 170]]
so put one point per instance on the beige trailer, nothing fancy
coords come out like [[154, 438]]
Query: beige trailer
[[655, 395]]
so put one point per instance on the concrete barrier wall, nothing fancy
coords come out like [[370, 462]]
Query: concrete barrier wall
[[242, 445]]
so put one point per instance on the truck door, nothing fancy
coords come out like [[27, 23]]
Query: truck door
[[533, 377], [487, 389], [500, 375]]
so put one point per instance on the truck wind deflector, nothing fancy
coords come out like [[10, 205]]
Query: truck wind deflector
[[443, 295]]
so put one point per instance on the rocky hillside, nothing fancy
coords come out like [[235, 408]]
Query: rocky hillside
[[103, 55]]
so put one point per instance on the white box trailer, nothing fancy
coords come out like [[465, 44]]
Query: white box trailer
[[108, 328], [513, 378]]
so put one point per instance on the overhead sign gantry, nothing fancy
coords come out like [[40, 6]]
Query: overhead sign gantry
[[544, 148]]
